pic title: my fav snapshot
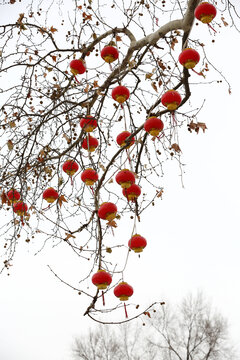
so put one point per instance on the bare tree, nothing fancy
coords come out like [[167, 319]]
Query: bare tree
[[125, 342], [43, 99], [190, 331]]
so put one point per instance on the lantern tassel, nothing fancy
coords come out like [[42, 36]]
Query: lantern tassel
[[46, 208], [110, 66], [22, 220], [125, 308], [92, 190], [76, 79], [121, 106], [71, 180], [212, 28], [103, 300], [174, 118], [200, 74]]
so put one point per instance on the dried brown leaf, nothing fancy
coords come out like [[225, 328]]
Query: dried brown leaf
[[61, 199], [154, 86], [52, 29], [10, 145], [175, 147], [68, 236]]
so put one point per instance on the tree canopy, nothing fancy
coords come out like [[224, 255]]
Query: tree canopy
[[47, 107]]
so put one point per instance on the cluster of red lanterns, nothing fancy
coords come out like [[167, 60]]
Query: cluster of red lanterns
[[19, 207]]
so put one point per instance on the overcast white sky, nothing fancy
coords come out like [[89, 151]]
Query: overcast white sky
[[193, 236]]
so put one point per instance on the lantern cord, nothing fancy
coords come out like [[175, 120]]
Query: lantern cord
[[129, 159], [212, 28], [200, 74], [125, 308], [76, 79], [22, 220], [103, 300]]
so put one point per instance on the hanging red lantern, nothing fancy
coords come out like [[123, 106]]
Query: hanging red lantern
[[189, 58], [137, 243], [125, 178], [171, 99], [50, 195], [70, 167], [122, 137], [101, 279], [123, 291], [205, 12], [89, 176], [20, 208], [109, 54], [153, 125], [132, 193], [77, 66], [88, 123], [107, 211], [13, 195], [90, 143], [120, 94]]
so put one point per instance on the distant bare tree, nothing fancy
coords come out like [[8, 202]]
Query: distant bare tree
[[190, 331]]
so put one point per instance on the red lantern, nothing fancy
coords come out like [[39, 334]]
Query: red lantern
[[102, 279], [205, 12], [122, 137], [77, 67], [50, 195], [89, 176], [109, 54], [123, 291], [90, 143], [132, 193], [13, 195], [125, 178], [171, 99], [88, 123], [20, 208], [107, 211], [137, 243], [70, 167], [153, 125], [120, 94], [189, 58]]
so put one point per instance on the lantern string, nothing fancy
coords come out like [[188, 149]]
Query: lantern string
[[103, 300], [129, 159], [125, 308], [212, 28]]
